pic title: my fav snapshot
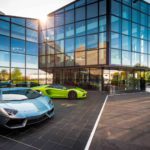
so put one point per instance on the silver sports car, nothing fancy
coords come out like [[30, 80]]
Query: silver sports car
[[23, 106]]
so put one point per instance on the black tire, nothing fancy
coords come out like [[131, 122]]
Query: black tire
[[72, 95]]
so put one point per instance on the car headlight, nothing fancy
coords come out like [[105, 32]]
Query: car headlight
[[10, 112], [50, 102]]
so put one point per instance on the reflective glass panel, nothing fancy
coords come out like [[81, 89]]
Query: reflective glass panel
[[102, 23], [92, 57], [80, 28], [126, 27], [115, 24], [17, 31], [80, 58], [126, 42], [143, 46], [102, 56], [102, 40], [135, 16], [115, 40], [69, 45], [135, 59], [80, 43], [50, 35], [4, 28], [143, 33], [32, 23], [115, 57], [17, 46], [102, 7], [4, 74], [32, 35], [4, 43], [144, 59], [69, 30], [59, 19], [69, 59], [126, 58], [135, 45], [59, 33], [50, 22], [126, 12], [135, 30], [116, 8], [31, 48], [59, 46], [31, 61], [17, 60], [32, 75], [92, 41], [50, 60], [19, 21], [59, 60], [80, 14], [69, 17], [90, 12], [92, 26], [4, 59]]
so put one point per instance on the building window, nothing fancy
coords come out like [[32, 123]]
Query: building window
[[92, 57], [80, 28], [126, 58], [80, 58], [50, 35], [32, 36], [59, 46], [31, 48], [80, 3], [92, 26], [31, 61], [135, 16], [102, 24], [17, 60], [69, 30], [17, 46], [126, 12], [143, 46], [126, 42], [59, 60], [126, 27], [102, 40], [69, 45], [59, 33], [17, 32], [143, 32], [50, 60], [144, 59], [102, 7], [90, 12], [135, 30], [102, 56], [4, 59], [31, 23], [115, 40], [135, 45], [80, 43], [115, 24], [115, 57], [4, 28], [59, 19], [4, 43], [92, 41], [115, 8], [69, 59], [91, 1], [135, 59], [80, 14], [69, 17], [50, 22], [19, 21]]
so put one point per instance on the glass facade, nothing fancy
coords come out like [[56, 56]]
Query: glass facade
[[96, 43], [18, 49]]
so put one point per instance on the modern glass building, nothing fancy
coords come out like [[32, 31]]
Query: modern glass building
[[18, 49], [88, 43]]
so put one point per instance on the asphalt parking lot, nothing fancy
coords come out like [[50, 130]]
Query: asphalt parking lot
[[69, 129], [124, 124]]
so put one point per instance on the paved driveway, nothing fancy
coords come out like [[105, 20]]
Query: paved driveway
[[70, 128], [125, 124]]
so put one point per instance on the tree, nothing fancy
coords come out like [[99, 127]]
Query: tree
[[4, 75], [16, 75]]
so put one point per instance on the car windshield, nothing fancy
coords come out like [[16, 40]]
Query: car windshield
[[57, 86], [24, 94]]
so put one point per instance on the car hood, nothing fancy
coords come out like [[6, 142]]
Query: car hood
[[28, 108]]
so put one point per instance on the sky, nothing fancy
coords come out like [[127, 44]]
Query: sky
[[32, 8]]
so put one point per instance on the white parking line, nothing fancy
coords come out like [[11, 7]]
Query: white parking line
[[19, 142], [96, 124]]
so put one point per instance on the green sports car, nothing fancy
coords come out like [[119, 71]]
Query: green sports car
[[59, 91]]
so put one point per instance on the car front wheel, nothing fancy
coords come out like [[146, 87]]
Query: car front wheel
[[72, 95]]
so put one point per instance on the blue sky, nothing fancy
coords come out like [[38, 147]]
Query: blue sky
[[32, 8]]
